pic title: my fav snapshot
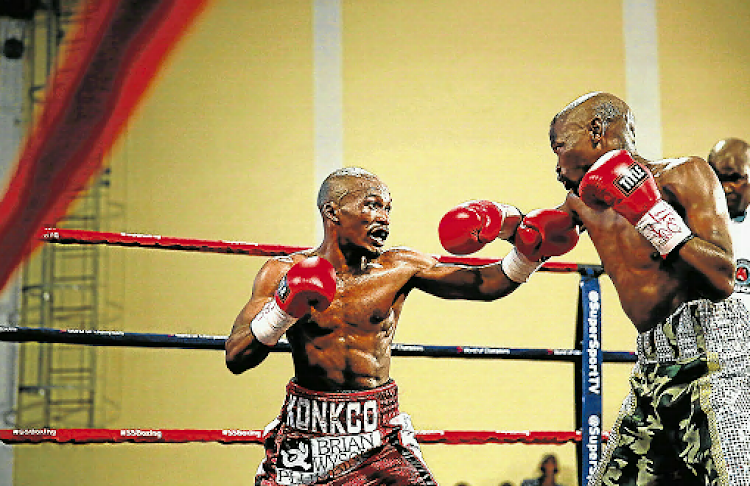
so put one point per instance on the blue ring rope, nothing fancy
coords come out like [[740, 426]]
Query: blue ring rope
[[202, 341]]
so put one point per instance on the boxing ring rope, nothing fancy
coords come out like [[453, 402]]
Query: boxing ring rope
[[85, 237], [94, 337], [588, 355], [250, 436]]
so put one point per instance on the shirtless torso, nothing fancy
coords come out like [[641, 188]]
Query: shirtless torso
[[649, 286], [347, 345], [342, 349]]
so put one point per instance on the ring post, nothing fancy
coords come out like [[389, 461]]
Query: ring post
[[589, 332]]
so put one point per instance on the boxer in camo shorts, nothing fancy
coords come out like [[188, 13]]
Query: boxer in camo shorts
[[688, 413], [661, 229]]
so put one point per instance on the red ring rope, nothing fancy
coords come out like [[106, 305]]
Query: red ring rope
[[67, 236], [231, 436]]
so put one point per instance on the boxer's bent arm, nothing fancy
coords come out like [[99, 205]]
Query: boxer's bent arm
[[242, 350], [449, 281], [709, 253]]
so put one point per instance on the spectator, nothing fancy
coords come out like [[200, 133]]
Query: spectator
[[730, 159], [549, 470]]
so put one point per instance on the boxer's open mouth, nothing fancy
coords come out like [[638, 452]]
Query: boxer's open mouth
[[379, 235]]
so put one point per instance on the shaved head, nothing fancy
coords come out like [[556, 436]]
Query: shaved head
[[729, 146], [341, 182], [608, 108]]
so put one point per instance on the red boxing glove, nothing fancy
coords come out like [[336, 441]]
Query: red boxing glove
[[468, 227], [542, 233], [619, 181], [309, 283], [545, 233]]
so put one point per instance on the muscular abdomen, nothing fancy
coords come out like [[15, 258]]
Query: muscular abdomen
[[342, 357]]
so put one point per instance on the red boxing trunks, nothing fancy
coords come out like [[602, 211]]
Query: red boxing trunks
[[343, 438]]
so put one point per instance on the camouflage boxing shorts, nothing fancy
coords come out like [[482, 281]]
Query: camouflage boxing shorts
[[352, 438], [686, 420]]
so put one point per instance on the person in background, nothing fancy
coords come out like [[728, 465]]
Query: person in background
[[730, 159], [549, 470]]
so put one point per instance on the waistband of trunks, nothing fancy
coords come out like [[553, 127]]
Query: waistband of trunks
[[681, 336], [349, 412]]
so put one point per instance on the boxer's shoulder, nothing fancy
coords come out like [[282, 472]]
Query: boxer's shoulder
[[277, 266], [685, 179], [289, 260], [681, 169], [405, 258]]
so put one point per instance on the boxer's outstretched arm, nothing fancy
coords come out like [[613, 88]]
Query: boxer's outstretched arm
[[449, 281], [537, 236]]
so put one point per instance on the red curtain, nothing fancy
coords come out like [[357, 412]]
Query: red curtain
[[110, 60]]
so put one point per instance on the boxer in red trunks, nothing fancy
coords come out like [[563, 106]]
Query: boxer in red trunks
[[339, 305]]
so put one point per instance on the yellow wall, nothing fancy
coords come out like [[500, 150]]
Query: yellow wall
[[705, 65], [446, 101]]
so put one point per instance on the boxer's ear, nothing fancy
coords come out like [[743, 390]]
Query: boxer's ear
[[329, 211], [596, 131]]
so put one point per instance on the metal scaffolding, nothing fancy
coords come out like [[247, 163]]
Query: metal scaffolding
[[60, 289], [57, 383]]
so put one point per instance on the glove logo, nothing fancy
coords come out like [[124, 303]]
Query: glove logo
[[283, 290], [631, 179]]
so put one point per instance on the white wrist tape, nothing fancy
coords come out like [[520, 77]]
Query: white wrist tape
[[517, 267], [663, 227], [271, 323], [507, 230]]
